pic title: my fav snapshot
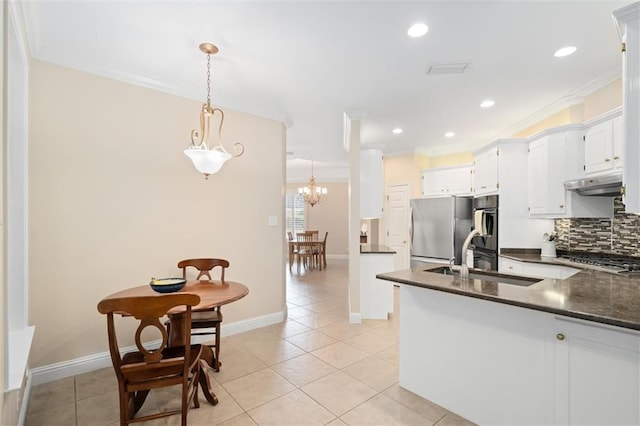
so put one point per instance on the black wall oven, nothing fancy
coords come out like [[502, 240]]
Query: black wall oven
[[485, 254]]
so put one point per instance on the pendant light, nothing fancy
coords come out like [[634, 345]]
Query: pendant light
[[312, 194], [209, 160]]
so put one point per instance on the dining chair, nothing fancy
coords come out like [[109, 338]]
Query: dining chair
[[293, 248], [307, 251], [314, 234], [207, 322], [323, 250], [147, 368]]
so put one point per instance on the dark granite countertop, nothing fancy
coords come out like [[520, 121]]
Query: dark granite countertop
[[589, 295], [376, 249], [527, 255]]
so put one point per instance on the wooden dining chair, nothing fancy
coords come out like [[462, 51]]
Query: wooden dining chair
[[307, 252], [323, 250], [207, 322], [314, 234], [145, 369]]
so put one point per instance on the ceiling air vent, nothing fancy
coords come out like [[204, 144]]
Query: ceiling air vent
[[448, 68]]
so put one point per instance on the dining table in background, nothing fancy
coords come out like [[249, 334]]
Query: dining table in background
[[212, 293], [294, 243]]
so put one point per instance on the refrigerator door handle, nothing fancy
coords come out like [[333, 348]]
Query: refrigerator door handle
[[411, 229]]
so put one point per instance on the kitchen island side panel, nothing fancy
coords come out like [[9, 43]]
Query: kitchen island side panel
[[489, 362]]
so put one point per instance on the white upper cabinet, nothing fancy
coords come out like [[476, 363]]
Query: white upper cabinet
[[603, 146], [447, 181], [501, 169], [371, 183], [546, 176], [628, 22], [486, 179], [618, 143], [555, 156]]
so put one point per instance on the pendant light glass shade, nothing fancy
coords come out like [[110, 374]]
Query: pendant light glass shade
[[207, 161]]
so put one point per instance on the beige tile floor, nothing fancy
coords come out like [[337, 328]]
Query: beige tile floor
[[313, 369]]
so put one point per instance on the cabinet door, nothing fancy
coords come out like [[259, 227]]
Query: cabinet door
[[598, 148], [597, 375], [458, 181], [618, 143], [486, 172], [433, 183], [546, 176]]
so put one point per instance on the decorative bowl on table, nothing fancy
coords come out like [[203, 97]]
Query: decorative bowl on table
[[167, 285]]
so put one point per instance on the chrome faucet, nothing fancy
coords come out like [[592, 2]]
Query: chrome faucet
[[464, 269]]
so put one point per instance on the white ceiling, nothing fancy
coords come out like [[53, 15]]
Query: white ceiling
[[307, 62]]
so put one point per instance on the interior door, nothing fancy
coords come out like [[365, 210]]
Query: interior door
[[398, 224]]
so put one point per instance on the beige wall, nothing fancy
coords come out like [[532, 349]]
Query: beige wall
[[114, 201], [330, 215], [603, 100], [451, 160], [405, 169], [558, 119]]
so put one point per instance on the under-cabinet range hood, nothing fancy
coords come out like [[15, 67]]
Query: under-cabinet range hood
[[605, 185]]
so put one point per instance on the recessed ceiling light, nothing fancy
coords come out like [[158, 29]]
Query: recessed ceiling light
[[417, 30], [565, 51], [449, 135], [397, 131], [487, 104]]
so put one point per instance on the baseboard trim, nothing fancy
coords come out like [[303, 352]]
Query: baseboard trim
[[355, 318], [338, 256], [85, 364], [26, 395]]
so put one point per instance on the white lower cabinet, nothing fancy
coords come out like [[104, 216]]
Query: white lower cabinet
[[531, 269], [597, 374], [376, 295], [495, 363]]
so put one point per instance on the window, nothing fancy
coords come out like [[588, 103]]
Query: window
[[294, 213]]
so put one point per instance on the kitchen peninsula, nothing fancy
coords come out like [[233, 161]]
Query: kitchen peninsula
[[559, 351]]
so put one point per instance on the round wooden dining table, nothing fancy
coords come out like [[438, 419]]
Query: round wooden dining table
[[212, 293]]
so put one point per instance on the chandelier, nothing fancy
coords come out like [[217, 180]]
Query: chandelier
[[312, 194], [209, 160]]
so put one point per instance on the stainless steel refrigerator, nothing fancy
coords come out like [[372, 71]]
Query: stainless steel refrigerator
[[439, 227]]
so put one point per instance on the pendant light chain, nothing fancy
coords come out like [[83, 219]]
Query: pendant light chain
[[209, 80]]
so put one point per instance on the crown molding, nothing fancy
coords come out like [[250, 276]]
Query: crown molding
[[574, 97], [626, 14]]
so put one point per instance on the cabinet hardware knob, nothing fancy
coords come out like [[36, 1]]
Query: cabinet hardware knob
[[616, 158], [404, 242], [607, 159], [562, 206], [510, 267], [560, 336]]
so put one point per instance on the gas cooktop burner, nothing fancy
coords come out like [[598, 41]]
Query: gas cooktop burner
[[617, 265]]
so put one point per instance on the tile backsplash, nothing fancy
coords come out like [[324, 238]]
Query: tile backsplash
[[617, 235]]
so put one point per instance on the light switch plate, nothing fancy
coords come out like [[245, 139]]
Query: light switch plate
[[273, 220]]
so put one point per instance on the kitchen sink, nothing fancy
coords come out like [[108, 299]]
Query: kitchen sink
[[488, 276]]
